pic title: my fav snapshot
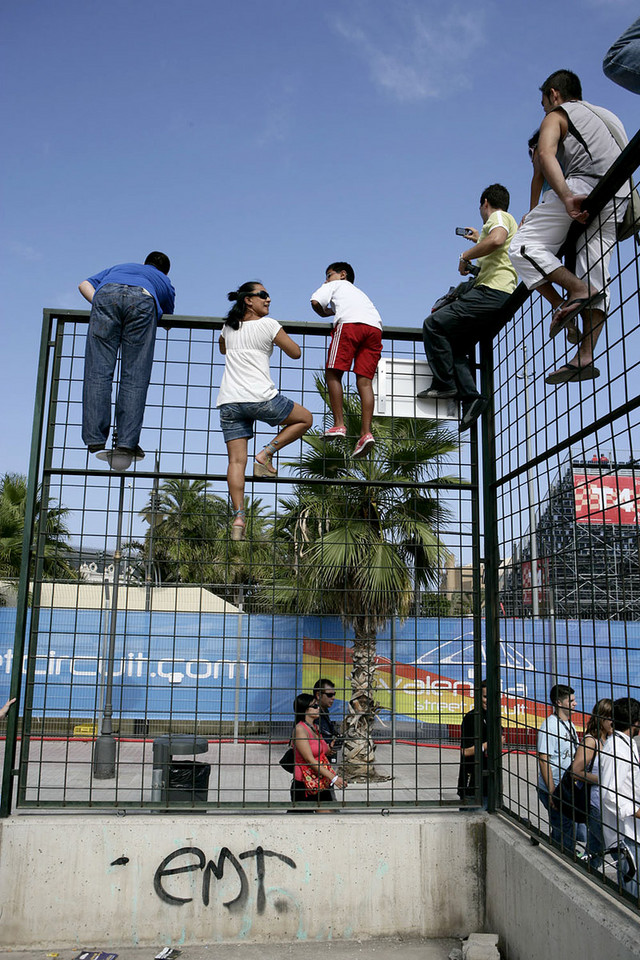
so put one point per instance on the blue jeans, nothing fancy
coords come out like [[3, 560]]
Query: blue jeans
[[595, 841], [622, 61], [563, 829], [122, 318]]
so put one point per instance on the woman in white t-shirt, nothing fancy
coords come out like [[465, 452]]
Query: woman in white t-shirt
[[247, 392]]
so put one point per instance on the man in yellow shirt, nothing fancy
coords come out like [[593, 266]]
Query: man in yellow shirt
[[451, 332]]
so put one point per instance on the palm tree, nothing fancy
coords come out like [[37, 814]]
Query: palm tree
[[191, 542], [13, 503], [362, 542]]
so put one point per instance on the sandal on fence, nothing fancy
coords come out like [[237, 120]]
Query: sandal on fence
[[264, 469], [238, 525]]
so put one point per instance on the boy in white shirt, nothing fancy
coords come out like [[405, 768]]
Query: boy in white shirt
[[356, 338]]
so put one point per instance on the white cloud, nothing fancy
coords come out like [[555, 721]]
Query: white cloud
[[24, 251], [414, 50], [275, 126]]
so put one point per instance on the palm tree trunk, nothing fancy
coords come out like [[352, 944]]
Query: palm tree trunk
[[359, 747]]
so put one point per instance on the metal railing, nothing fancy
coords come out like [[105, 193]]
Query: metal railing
[[146, 620], [561, 496]]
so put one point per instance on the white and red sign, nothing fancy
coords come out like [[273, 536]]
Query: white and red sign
[[610, 499], [527, 582]]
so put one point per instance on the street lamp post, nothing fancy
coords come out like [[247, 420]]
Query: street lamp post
[[535, 608], [104, 751]]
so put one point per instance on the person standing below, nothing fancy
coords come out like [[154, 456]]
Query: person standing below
[[247, 392], [356, 338], [313, 778], [468, 742], [578, 143], [467, 776], [127, 302], [325, 693], [586, 766], [620, 790], [557, 744], [451, 333]]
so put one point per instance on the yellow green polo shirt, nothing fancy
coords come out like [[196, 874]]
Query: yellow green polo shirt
[[496, 269]]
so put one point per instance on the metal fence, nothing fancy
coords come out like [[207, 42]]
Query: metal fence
[[561, 510], [146, 621]]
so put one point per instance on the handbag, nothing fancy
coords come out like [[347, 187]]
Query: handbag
[[313, 782], [573, 798], [288, 761], [453, 293]]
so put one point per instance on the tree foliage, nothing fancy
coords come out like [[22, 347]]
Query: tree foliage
[[362, 539], [13, 504], [188, 540]]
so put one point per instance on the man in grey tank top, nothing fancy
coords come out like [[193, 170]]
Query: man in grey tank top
[[578, 143]]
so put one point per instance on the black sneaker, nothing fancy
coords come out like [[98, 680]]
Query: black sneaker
[[475, 409], [95, 447], [432, 393]]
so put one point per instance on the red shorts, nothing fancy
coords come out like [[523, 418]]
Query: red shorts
[[358, 343]]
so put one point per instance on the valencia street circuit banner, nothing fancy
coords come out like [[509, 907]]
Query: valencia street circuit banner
[[218, 667]]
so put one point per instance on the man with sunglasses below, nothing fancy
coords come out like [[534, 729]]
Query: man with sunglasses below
[[325, 693], [127, 303]]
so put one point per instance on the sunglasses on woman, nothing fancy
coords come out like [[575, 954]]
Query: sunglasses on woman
[[261, 293]]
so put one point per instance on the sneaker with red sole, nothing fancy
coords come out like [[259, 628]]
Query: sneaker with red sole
[[335, 433], [363, 445]]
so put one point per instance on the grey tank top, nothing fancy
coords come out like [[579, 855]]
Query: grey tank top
[[589, 148]]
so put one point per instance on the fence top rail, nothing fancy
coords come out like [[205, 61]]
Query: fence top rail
[[187, 322]]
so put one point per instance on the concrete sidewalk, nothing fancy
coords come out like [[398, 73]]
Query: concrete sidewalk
[[333, 950]]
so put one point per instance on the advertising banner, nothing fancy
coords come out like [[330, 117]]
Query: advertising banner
[[608, 499], [250, 667]]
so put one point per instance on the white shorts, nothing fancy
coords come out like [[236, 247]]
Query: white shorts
[[534, 247]]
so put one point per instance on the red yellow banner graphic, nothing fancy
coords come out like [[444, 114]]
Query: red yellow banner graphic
[[419, 694]]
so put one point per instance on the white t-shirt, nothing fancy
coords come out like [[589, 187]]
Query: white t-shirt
[[347, 303], [247, 377], [620, 788]]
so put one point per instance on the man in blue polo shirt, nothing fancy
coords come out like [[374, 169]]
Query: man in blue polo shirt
[[557, 744], [127, 302]]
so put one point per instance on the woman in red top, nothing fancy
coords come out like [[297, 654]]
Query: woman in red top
[[311, 754]]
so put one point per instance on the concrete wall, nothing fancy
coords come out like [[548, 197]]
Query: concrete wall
[[543, 907], [202, 879]]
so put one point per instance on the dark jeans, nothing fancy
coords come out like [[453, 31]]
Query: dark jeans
[[122, 318], [450, 335], [564, 831], [622, 61]]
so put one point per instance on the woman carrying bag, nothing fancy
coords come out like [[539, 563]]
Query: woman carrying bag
[[313, 778]]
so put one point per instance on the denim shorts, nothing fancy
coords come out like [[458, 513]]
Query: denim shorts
[[237, 419]]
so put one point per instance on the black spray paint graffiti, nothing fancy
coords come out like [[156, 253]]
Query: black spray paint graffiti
[[217, 869]]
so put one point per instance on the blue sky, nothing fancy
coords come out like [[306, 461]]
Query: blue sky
[[265, 138]]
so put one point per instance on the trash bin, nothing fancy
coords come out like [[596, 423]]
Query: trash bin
[[181, 780], [188, 780]]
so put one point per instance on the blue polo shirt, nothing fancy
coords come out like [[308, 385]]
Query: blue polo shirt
[[558, 740], [140, 275]]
